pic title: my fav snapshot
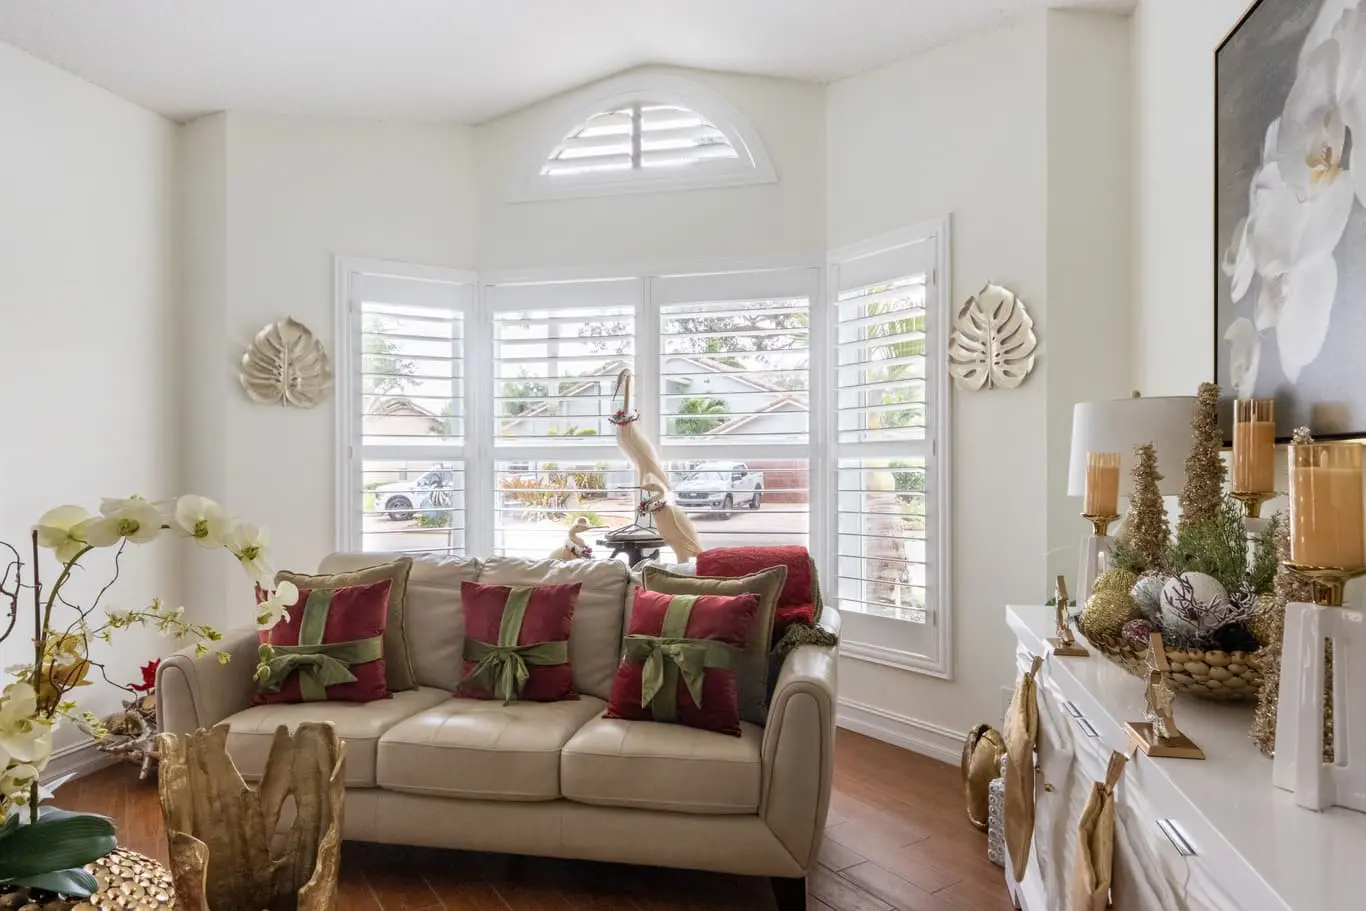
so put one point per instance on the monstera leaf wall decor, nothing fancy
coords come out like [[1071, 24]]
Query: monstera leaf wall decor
[[285, 364], [993, 341]]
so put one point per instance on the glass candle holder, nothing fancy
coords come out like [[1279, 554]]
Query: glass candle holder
[[1326, 524], [1254, 446], [1102, 484]]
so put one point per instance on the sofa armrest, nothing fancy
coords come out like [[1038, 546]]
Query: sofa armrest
[[195, 693], [799, 747]]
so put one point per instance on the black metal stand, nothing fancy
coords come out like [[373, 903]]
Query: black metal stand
[[636, 541]]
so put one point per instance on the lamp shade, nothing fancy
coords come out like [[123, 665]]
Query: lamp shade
[[1120, 425]]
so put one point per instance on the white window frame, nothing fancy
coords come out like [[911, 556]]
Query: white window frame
[[751, 165], [351, 273], [864, 637]]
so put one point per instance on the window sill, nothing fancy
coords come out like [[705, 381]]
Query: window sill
[[897, 658]]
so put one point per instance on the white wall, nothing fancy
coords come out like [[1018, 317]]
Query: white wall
[[902, 147], [86, 251], [1173, 254], [274, 199], [782, 219], [1029, 156], [1090, 89]]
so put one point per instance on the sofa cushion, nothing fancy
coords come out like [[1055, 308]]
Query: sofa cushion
[[595, 634], [482, 750], [517, 641], [397, 665], [752, 674], [433, 622], [343, 627], [360, 724], [649, 766], [680, 658]]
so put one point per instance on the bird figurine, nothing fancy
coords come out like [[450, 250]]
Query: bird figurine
[[574, 547]]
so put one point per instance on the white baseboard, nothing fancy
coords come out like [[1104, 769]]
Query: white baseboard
[[901, 730], [78, 759]]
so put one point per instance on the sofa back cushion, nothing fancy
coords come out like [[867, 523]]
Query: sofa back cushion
[[595, 634], [433, 621]]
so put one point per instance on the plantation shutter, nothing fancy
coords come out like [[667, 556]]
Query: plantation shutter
[[887, 502], [639, 136], [406, 407], [557, 350]]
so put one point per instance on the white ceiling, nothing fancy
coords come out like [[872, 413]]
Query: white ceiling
[[462, 60]]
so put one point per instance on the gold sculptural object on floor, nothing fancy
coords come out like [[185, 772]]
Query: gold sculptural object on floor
[[220, 829]]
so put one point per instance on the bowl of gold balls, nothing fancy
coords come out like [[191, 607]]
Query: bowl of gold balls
[[1204, 588]]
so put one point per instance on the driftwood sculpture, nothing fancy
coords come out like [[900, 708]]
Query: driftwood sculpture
[[220, 830]]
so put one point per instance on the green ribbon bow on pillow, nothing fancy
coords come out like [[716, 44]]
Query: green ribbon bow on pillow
[[319, 665], [501, 669], [671, 656]]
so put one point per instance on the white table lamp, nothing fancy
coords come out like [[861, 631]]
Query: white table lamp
[[1118, 426]]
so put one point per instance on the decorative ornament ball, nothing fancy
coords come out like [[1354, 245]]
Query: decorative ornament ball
[[1136, 632], [1147, 594], [1186, 599], [1266, 621], [1106, 613], [1115, 579]]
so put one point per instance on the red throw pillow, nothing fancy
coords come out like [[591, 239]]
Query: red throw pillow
[[684, 647], [517, 641], [796, 604], [330, 649]]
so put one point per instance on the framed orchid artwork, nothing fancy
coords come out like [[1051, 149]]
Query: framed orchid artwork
[[1290, 213]]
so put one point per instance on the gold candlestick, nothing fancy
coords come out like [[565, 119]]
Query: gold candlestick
[[1064, 643], [1252, 501], [1329, 583], [1158, 735], [1100, 525]]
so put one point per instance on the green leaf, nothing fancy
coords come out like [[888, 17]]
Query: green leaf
[[10, 824], [76, 883], [58, 840]]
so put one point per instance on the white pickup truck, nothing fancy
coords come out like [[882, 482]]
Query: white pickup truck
[[720, 486]]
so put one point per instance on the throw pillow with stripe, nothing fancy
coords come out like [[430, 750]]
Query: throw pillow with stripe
[[680, 657], [330, 649], [517, 642]]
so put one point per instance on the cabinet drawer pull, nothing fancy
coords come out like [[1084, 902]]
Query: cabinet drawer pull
[[1086, 727], [1176, 837], [1070, 708]]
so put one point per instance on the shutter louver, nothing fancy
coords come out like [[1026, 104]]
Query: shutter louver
[[640, 136]]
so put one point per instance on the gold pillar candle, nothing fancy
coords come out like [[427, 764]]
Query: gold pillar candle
[[1254, 445], [1102, 484], [1326, 524]]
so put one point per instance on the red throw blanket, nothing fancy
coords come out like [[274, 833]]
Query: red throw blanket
[[796, 603]]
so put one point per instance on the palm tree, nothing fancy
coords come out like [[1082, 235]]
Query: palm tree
[[696, 426]]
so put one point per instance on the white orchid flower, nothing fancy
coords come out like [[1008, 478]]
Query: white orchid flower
[[1291, 236], [1313, 132], [60, 530], [17, 780], [1325, 26], [202, 519], [248, 542], [275, 608], [23, 735], [136, 520], [1245, 357]]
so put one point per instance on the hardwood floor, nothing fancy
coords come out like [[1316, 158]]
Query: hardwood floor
[[897, 838]]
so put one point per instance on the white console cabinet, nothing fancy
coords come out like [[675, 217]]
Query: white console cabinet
[[1211, 835]]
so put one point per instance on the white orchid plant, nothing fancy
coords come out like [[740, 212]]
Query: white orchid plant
[[1299, 202], [42, 847]]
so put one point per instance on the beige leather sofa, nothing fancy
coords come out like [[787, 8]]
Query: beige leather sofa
[[554, 779]]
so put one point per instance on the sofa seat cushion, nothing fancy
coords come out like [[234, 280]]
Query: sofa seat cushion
[[360, 724], [650, 766], [483, 750]]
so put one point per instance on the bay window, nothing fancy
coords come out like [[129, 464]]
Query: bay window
[[789, 406]]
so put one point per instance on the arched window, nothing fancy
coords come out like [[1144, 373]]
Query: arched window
[[644, 133]]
